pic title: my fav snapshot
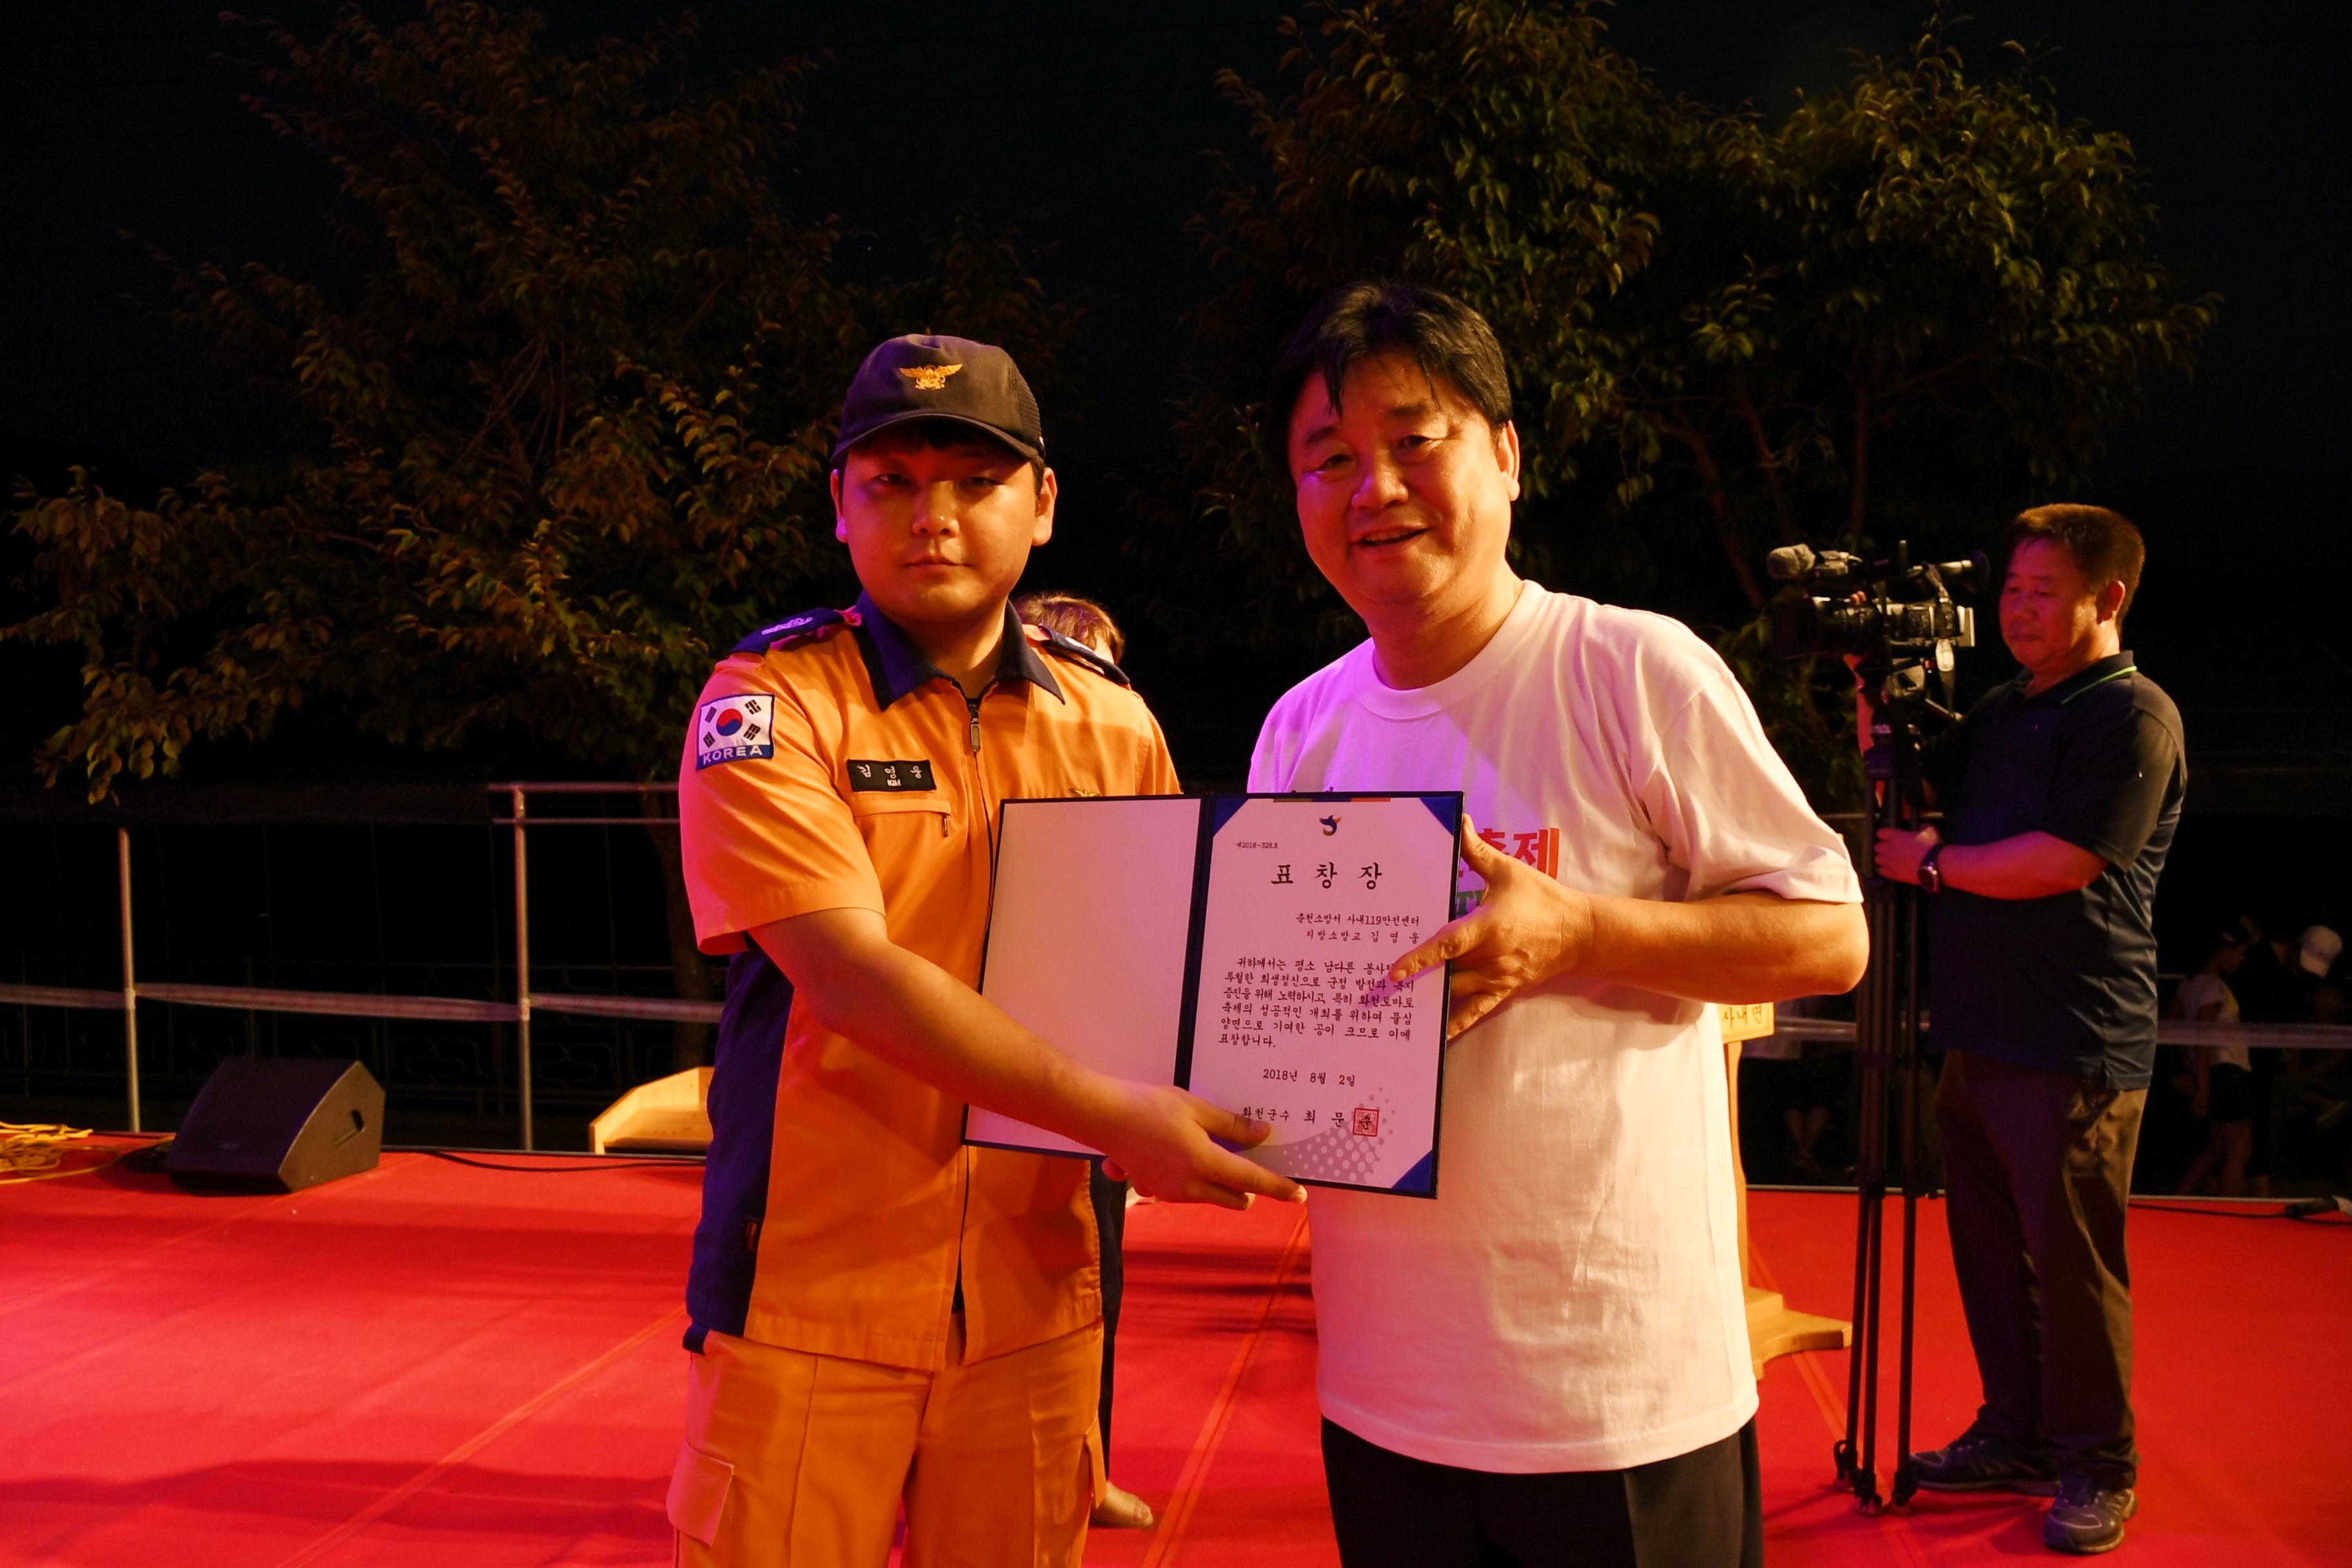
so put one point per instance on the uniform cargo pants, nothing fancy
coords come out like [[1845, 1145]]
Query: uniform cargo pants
[[795, 1460]]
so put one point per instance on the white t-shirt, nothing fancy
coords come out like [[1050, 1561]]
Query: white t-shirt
[[2200, 991], [1571, 1300]]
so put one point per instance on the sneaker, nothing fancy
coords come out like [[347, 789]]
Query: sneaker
[[1978, 1461], [2088, 1517]]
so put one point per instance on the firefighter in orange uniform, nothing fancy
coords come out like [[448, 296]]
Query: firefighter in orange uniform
[[880, 1313]]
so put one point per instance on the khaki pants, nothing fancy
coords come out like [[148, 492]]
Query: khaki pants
[[795, 1460]]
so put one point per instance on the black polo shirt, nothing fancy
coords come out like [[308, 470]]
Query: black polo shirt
[[2065, 983]]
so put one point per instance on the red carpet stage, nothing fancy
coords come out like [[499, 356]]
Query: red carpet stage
[[444, 1365]]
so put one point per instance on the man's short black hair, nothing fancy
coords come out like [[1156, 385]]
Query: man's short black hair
[[2105, 546], [1450, 342]]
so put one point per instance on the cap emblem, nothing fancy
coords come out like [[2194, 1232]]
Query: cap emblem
[[927, 377]]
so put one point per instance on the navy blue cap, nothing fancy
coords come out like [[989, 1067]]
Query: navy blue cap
[[917, 378]]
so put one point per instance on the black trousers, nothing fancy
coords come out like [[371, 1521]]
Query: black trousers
[[1700, 1510], [2037, 1176], [1109, 1199]]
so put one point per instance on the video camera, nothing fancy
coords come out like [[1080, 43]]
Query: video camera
[[1898, 622], [1892, 611]]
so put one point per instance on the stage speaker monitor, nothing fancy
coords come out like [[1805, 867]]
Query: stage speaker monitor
[[278, 1125]]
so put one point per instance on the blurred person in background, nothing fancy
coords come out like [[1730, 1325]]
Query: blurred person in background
[[2317, 956], [2269, 988], [2319, 1083], [1801, 1081], [2223, 1096], [1088, 624]]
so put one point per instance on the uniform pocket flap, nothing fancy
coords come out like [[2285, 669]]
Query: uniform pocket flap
[[871, 804], [931, 801], [698, 1493]]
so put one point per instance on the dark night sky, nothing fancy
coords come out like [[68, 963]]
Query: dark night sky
[[125, 116], [1088, 120]]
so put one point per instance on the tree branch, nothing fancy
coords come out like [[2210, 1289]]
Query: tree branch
[[1859, 485], [1719, 501], [1769, 461]]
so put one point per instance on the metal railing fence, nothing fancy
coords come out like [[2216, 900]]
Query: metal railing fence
[[370, 1005], [518, 1012]]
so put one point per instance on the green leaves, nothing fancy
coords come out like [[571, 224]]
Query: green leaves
[[1489, 148], [568, 398], [1905, 310]]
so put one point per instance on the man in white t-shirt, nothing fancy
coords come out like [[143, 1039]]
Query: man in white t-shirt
[[1549, 1362]]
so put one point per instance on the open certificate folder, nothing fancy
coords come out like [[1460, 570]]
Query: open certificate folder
[[1238, 946]]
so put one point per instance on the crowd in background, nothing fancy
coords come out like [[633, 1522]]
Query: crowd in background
[[2227, 1120]]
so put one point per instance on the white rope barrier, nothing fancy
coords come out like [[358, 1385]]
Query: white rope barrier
[[669, 1007], [331, 1003], [2169, 1032], [362, 1003], [61, 997]]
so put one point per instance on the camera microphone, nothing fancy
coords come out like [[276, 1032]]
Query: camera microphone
[[1971, 574], [1794, 563]]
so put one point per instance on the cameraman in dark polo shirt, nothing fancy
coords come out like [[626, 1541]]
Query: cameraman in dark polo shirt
[[2060, 790]]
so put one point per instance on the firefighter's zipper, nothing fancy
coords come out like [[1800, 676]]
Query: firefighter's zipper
[[980, 786], [971, 704], [978, 802]]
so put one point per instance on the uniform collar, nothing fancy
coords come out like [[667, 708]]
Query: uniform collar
[[898, 666], [2096, 673]]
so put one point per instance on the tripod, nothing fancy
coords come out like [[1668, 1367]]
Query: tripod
[[1886, 1042]]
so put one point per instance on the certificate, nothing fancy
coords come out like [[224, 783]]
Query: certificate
[[1238, 946]]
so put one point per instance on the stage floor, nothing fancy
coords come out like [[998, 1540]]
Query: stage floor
[[434, 1363]]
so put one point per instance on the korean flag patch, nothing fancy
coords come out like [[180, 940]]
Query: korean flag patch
[[734, 729]]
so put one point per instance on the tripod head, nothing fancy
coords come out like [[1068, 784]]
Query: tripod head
[[1902, 717]]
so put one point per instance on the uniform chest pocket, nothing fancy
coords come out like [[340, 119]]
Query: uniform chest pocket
[[924, 815]]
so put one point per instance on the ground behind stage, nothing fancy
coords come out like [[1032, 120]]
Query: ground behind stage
[[438, 1364]]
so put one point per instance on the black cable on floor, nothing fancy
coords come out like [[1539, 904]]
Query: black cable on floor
[[672, 1162], [2324, 1213], [150, 1160]]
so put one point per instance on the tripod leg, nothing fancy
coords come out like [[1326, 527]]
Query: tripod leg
[[1914, 1188], [1847, 1452], [1857, 1455], [1865, 1481], [1905, 1484], [1875, 1023]]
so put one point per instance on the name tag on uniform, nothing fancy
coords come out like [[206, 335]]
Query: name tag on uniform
[[890, 778], [734, 729]]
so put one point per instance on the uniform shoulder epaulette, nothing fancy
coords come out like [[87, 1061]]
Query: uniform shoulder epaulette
[[793, 631], [1070, 648]]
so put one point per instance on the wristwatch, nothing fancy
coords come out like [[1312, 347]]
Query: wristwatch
[[1931, 879]]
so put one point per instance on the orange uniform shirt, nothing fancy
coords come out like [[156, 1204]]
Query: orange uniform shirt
[[830, 767]]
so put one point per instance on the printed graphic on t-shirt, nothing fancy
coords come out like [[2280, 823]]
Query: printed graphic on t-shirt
[[1539, 847], [734, 729]]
